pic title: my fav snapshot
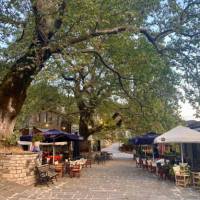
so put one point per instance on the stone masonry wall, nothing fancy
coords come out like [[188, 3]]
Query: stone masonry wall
[[18, 168]]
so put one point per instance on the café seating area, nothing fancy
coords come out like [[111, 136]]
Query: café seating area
[[67, 168], [164, 170], [172, 155], [61, 169]]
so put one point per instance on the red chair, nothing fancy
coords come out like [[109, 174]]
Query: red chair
[[75, 171], [88, 163]]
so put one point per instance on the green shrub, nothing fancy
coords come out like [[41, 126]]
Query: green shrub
[[12, 139], [38, 137]]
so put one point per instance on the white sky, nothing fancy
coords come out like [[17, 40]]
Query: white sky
[[187, 112]]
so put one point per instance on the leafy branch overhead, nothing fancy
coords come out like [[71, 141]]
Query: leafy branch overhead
[[36, 33]]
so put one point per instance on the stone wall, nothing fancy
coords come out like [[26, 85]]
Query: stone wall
[[18, 168]]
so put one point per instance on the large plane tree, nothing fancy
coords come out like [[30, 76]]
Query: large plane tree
[[36, 31]]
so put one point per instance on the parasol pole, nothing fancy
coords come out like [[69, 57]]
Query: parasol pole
[[53, 151], [145, 152], [182, 153], [153, 153]]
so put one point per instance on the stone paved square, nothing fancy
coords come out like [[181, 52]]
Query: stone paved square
[[117, 179]]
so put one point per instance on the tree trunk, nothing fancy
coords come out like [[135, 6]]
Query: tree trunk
[[12, 96], [87, 124], [13, 93], [6, 126], [15, 84], [86, 121], [84, 124]]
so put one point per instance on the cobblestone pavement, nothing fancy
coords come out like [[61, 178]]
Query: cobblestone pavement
[[7, 189], [114, 180]]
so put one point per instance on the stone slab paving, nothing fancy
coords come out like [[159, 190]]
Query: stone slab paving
[[115, 180], [7, 189], [118, 179]]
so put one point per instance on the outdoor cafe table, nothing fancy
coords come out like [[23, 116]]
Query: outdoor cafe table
[[80, 162]]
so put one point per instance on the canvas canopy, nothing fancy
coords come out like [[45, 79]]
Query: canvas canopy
[[180, 135], [43, 143], [53, 135], [146, 139]]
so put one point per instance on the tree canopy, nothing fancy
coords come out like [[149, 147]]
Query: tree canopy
[[147, 45]]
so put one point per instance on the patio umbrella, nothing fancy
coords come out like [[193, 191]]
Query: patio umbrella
[[147, 139], [179, 135], [53, 136]]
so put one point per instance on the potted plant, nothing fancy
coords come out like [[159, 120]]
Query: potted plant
[[171, 173], [37, 138], [10, 144]]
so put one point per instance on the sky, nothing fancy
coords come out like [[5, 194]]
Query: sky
[[187, 112]]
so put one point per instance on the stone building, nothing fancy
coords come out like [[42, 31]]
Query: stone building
[[50, 120]]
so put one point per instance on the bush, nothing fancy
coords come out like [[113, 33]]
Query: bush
[[38, 137], [12, 139], [10, 145]]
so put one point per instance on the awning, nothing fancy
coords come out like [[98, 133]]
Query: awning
[[54, 135], [146, 139], [43, 143], [59, 136], [179, 134]]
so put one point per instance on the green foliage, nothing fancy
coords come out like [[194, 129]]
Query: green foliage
[[147, 96], [12, 139], [42, 96], [198, 183], [38, 137], [171, 171], [153, 97]]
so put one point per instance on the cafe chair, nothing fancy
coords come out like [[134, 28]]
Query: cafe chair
[[182, 178]]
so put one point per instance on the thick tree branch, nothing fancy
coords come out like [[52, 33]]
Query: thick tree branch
[[119, 76], [68, 78], [95, 129], [97, 33], [154, 40], [9, 20], [105, 64]]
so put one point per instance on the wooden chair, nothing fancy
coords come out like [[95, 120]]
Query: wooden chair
[[138, 162], [153, 167], [182, 178], [67, 167], [88, 163], [196, 180], [161, 171], [99, 159], [149, 165], [75, 171], [144, 164], [110, 156]]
